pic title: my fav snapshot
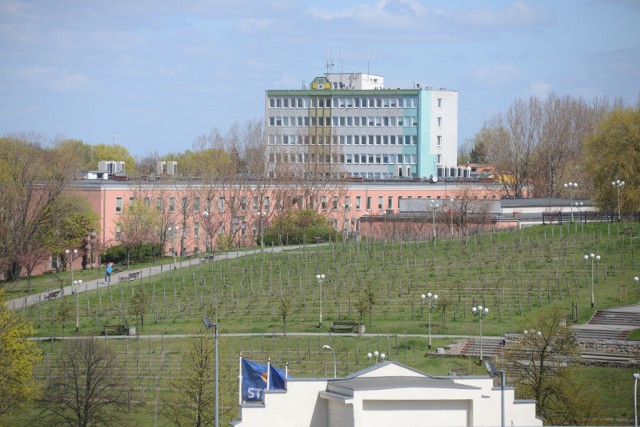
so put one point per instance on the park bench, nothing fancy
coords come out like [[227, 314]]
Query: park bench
[[344, 327], [52, 295], [129, 277], [113, 330], [207, 258]]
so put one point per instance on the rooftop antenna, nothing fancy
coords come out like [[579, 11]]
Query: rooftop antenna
[[330, 64], [114, 139]]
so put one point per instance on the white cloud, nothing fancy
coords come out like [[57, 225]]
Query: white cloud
[[540, 89], [495, 75], [253, 25]]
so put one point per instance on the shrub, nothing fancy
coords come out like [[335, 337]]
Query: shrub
[[299, 226]]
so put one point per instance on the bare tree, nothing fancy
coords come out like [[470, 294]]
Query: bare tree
[[190, 402], [88, 391]]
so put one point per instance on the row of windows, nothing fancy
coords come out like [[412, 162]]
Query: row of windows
[[345, 140], [349, 159], [346, 102], [196, 207], [349, 121]]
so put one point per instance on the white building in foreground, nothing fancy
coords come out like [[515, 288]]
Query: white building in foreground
[[388, 394]]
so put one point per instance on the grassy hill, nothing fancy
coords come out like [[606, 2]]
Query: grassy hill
[[513, 273]]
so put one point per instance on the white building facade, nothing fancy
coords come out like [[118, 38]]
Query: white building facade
[[349, 124], [389, 394]]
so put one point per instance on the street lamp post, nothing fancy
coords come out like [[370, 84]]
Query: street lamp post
[[209, 325], [617, 184], [480, 312], [76, 283], [320, 278], [335, 364], [571, 186], [431, 304], [434, 206], [594, 259], [376, 355]]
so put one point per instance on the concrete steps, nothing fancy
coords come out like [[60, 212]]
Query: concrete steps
[[491, 347], [615, 317]]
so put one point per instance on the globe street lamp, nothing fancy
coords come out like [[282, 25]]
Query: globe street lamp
[[320, 278], [571, 186], [617, 184], [594, 259], [335, 364], [434, 206], [70, 254], [480, 312], [431, 304], [376, 355], [75, 291]]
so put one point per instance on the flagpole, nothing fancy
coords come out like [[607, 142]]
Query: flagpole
[[268, 374], [240, 380]]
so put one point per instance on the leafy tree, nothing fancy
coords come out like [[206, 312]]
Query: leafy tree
[[88, 393], [32, 179], [138, 305], [191, 399], [365, 302], [64, 314], [612, 153], [299, 226], [284, 308], [140, 225], [539, 364], [17, 359]]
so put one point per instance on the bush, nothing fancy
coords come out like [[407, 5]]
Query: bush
[[299, 226], [136, 254]]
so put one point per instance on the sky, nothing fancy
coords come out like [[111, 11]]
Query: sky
[[153, 75]]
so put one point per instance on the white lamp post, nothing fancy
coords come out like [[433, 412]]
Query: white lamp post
[[320, 278], [617, 184], [571, 186], [635, 397], [209, 325], [431, 304], [76, 283], [335, 364], [376, 355], [480, 312], [434, 206], [594, 258]]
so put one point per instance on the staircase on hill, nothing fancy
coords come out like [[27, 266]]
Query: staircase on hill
[[608, 325], [491, 347]]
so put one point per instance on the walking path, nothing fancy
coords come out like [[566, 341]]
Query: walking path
[[95, 284]]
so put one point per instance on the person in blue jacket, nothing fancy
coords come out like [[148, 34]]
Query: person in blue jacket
[[107, 277]]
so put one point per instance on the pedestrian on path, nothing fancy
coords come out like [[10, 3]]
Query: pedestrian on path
[[107, 277]]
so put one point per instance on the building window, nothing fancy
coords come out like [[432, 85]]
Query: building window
[[132, 201], [390, 202], [347, 202], [335, 203], [196, 204], [196, 229], [243, 204], [323, 202], [147, 202], [221, 204], [439, 159], [369, 203], [118, 204], [439, 102], [380, 202], [439, 121], [118, 231], [439, 137], [358, 202], [159, 204]]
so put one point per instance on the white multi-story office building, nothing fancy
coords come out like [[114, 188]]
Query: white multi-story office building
[[349, 124]]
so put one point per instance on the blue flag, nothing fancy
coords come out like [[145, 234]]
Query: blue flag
[[254, 380]]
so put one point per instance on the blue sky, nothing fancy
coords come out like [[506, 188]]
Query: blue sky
[[155, 74]]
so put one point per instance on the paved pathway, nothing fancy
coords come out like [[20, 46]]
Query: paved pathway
[[91, 285]]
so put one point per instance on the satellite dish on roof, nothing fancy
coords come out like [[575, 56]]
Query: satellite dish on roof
[[434, 179]]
